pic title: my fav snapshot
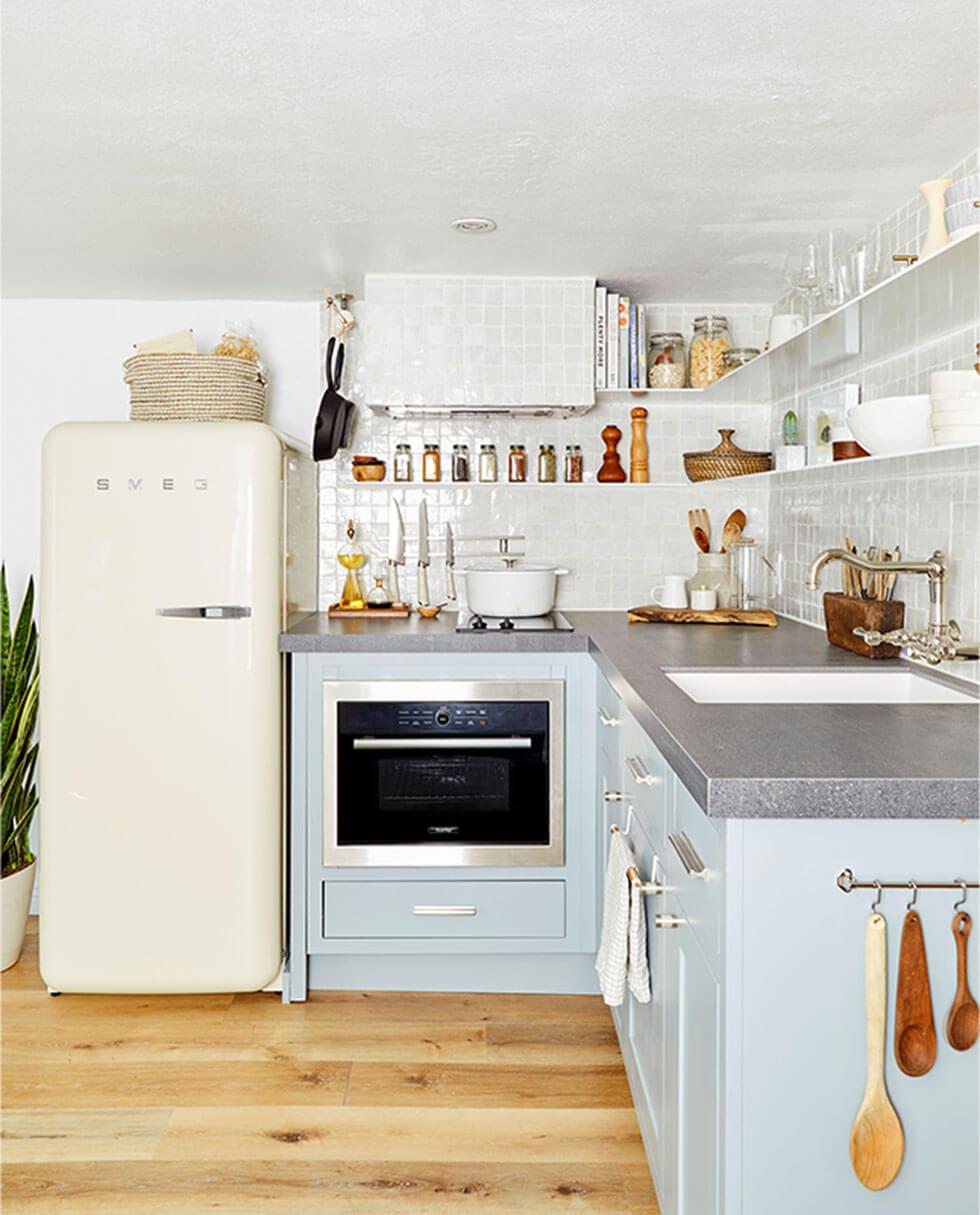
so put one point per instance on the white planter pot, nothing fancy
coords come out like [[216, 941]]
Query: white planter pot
[[516, 591], [16, 890]]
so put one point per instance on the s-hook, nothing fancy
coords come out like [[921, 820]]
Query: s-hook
[[962, 899], [915, 895], [877, 903]]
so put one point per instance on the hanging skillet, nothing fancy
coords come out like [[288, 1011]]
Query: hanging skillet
[[336, 413]]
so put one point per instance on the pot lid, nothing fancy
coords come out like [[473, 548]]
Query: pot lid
[[497, 567]]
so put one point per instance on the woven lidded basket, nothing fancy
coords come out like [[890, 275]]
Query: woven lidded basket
[[725, 460], [194, 388]]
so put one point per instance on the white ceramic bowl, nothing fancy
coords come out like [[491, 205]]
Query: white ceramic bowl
[[964, 190], [958, 434], [892, 425], [958, 382], [962, 217]]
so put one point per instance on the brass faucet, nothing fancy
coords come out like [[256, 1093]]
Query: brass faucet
[[939, 642]]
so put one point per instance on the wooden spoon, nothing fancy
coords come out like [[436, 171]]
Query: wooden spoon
[[701, 520], [963, 1021], [877, 1140], [915, 1030], [734, 526], [701, 540]]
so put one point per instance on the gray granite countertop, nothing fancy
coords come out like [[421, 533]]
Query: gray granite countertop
[[744, 760]]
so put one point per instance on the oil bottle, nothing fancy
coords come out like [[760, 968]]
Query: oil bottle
[[351, 557]]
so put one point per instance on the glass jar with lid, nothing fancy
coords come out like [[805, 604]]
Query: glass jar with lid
[[461, 462], [547, 463], [667, 361], [517, 463], [431, 463], [574, 464], [403, 462], [709, 345], [738, 356], [488, 462]]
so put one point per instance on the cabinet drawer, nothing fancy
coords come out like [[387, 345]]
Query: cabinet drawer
[[443, 909], [694, 860]]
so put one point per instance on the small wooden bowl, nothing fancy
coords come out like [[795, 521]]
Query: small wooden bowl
[[374, 471], [430, 611]]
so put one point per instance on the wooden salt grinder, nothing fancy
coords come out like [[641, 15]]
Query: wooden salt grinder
[[639, 451], [611, 469]]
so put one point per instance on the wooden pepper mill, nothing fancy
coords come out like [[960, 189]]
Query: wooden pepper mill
[[639, 451], [611, 469]]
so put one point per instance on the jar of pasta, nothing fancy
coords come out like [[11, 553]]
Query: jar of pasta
[[709, 345]]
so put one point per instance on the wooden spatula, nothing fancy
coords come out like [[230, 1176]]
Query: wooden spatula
[[877, 1140], [734, 526], [915, 1030], [963, 1021]]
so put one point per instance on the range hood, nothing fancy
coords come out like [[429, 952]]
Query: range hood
[[478, 346]]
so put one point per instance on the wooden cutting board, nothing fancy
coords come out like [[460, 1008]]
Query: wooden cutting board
[[654, 613]]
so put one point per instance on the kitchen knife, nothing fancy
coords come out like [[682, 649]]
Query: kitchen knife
[[423, 564], [396, 548], [450, 563]]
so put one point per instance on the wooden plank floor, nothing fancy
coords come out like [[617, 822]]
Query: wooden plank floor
[[354, 1102]]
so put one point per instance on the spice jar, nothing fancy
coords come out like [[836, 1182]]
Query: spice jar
[[461, 462], [667, 361], [488, 462], [574, 464], [738, 356], [547, 463], [710, 344], [517, 463], [403, 462], [431, 463]]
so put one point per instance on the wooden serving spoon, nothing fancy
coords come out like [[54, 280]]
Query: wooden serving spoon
[[915, 1030], [877, 1140], [734, 526], [701, 540], [963, 1021]]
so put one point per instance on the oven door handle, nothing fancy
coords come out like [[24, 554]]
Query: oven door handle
[[443, 744]]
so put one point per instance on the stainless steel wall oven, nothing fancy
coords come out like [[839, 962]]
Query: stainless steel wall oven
[[447, 772]]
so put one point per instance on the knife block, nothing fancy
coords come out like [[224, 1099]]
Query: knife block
[[845, 613]]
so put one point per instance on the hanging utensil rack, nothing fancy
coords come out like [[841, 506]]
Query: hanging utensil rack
[[847, 882]]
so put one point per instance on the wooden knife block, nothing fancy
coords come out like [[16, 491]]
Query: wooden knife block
[[845, 613]]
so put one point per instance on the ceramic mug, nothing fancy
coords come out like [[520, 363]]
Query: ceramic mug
[[783, 326], [672, 593], [704, 599]]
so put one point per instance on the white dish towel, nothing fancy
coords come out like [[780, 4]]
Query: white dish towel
[[622, 956]]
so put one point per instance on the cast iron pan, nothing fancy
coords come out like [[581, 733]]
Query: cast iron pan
[[336, 414]]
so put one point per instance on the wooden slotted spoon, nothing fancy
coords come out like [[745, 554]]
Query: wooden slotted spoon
[[877, 1139]]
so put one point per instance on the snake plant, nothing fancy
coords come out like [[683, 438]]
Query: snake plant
[[19, 700]]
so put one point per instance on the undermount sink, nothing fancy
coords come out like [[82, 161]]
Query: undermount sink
[[894, 687]]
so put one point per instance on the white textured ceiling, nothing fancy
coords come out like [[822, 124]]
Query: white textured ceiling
[[265, 148]]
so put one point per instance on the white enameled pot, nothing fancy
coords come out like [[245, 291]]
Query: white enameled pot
[[516, 591]]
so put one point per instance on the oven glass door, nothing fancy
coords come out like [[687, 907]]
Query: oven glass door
[[458, 773]]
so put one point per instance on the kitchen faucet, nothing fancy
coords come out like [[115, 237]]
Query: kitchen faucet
[[939, 641]]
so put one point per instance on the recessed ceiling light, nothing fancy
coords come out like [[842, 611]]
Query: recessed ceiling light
[[475, 223]]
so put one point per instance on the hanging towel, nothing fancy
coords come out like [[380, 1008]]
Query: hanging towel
[[622, 949]]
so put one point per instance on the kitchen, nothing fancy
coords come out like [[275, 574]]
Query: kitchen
[[443, 492]]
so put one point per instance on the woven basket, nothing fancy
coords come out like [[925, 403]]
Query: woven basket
[[725, 460], [194, 388]]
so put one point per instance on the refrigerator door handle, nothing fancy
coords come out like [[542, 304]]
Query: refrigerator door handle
[[207, 611]]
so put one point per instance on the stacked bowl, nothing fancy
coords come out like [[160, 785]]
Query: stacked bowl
[[955, 415], [963, 206]]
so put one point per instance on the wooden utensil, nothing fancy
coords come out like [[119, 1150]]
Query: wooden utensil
[[915, 1030], [701, 540], [734, 526], [701, 520], [963, 1021], [877, 1140]]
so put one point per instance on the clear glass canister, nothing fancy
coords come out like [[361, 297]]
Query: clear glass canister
[[714, 574], [738, 356], [752, 574], [709, 345], [667, 361]]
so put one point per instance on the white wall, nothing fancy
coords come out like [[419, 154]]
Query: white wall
[[62, 361]]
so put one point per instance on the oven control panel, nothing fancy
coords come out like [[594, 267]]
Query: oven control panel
[[401, 718]]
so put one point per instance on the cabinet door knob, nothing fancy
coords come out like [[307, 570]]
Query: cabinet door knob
[[667, 921], [611, 795]]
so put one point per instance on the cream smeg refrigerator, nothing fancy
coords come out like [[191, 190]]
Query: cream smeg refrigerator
[[171, 554]]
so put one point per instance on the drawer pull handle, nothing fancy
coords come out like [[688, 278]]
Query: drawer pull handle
[[639, 772], [443, 744], [606, 719], [611, 795], [688, 855], [435, 909], [667, 921]]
